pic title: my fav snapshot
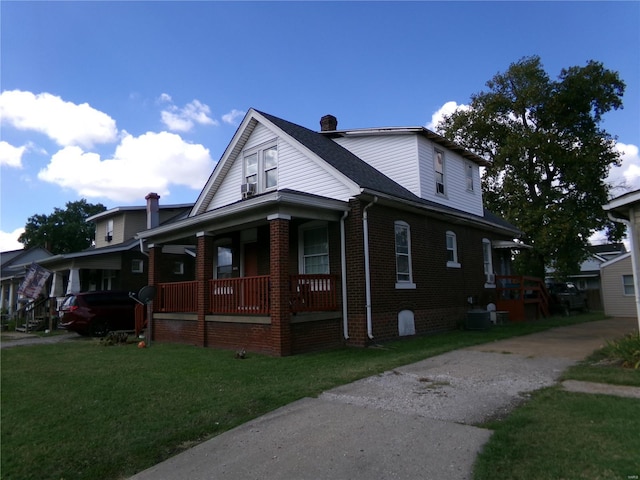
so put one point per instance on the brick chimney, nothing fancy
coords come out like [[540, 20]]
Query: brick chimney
[[328, 123], [153, 210]]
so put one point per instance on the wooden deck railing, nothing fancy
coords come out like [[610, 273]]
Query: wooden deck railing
[[514, 292], [176, 297], [246, 295], [249, 295], [314, 293]]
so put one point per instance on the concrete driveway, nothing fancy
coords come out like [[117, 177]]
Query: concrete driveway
[[416, 421]]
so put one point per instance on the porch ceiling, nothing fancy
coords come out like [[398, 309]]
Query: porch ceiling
[[250, 212]]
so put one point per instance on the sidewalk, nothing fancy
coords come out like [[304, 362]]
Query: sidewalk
[[416, 421]]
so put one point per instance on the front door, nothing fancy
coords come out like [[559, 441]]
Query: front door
[[251, 259], [250, 297]]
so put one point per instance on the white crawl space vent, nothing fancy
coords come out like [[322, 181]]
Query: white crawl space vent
[[406, 323]]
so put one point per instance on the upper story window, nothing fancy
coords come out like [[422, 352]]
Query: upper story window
[[108, 234], [314, 249], [488, 262], [627, 285], [469, 176], [404, 277], [261, 168], [438, 166], [452, 250]]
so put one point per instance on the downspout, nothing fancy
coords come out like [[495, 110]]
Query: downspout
[[142, 248], [367, 270], [343, 259], [634, 260]]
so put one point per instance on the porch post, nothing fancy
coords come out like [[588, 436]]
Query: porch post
[[204, 273], [279, 296], [12, 297], [74, 281]]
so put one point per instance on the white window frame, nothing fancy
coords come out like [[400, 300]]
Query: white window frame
[[626, 285], [262, 170], [108, 276], [439, 170], [109, 230], [403, 283], [487, 260], [452, 263], [316, 225], [178, 268], [469, 176], [137, 265], [222, 243]]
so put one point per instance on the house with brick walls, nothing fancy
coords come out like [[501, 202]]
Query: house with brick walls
[[312, 239]]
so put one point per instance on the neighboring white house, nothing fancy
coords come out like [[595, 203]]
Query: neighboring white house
[[626, 209], [618, 291]]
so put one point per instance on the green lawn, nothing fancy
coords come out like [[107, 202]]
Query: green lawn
[[563, 435], [80, 410]]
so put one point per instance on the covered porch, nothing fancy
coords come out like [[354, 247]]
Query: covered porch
[[268, 281]]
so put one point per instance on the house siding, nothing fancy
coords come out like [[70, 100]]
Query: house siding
[[456, 193], [616, 303], [295, 171], [400, 156], [395, 156]]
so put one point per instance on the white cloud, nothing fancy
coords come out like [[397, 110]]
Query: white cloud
[[184, 119], [11, 156], [150, 162], [626, 177], [9, 240], [64, 122], [232, 117], [446, 109]]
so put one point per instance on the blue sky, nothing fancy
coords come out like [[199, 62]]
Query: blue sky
[[111, 100]]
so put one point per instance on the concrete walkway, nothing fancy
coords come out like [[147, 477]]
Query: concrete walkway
[[416, 421]]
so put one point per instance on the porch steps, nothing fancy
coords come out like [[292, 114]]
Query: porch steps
[[39, 323]]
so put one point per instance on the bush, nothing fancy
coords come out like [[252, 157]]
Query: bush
[[626, 350]]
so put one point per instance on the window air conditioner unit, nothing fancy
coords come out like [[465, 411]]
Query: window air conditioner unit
[[491, 278], [247, 189]]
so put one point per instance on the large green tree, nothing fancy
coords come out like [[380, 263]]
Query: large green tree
[[549, 156], [65, 230]]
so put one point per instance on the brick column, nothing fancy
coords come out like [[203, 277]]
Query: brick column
[[280, 295], [356, 303], [154, 278], [204, 273]]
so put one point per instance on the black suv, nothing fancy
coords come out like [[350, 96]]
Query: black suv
[[565, 297]]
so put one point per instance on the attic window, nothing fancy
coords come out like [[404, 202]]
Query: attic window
[[261, 167], [469, 176], [109, 231], [438, 166]]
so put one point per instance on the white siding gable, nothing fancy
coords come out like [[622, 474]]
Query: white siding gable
[[457, 195], [409, 161], [296, 170], [393, 155]]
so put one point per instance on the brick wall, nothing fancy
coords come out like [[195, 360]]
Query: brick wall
[[439, 301], [235, 336], [176, 331], [318, 335]]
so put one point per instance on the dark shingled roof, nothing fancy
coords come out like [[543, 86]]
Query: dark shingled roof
[[361, 172], [343, 160]]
